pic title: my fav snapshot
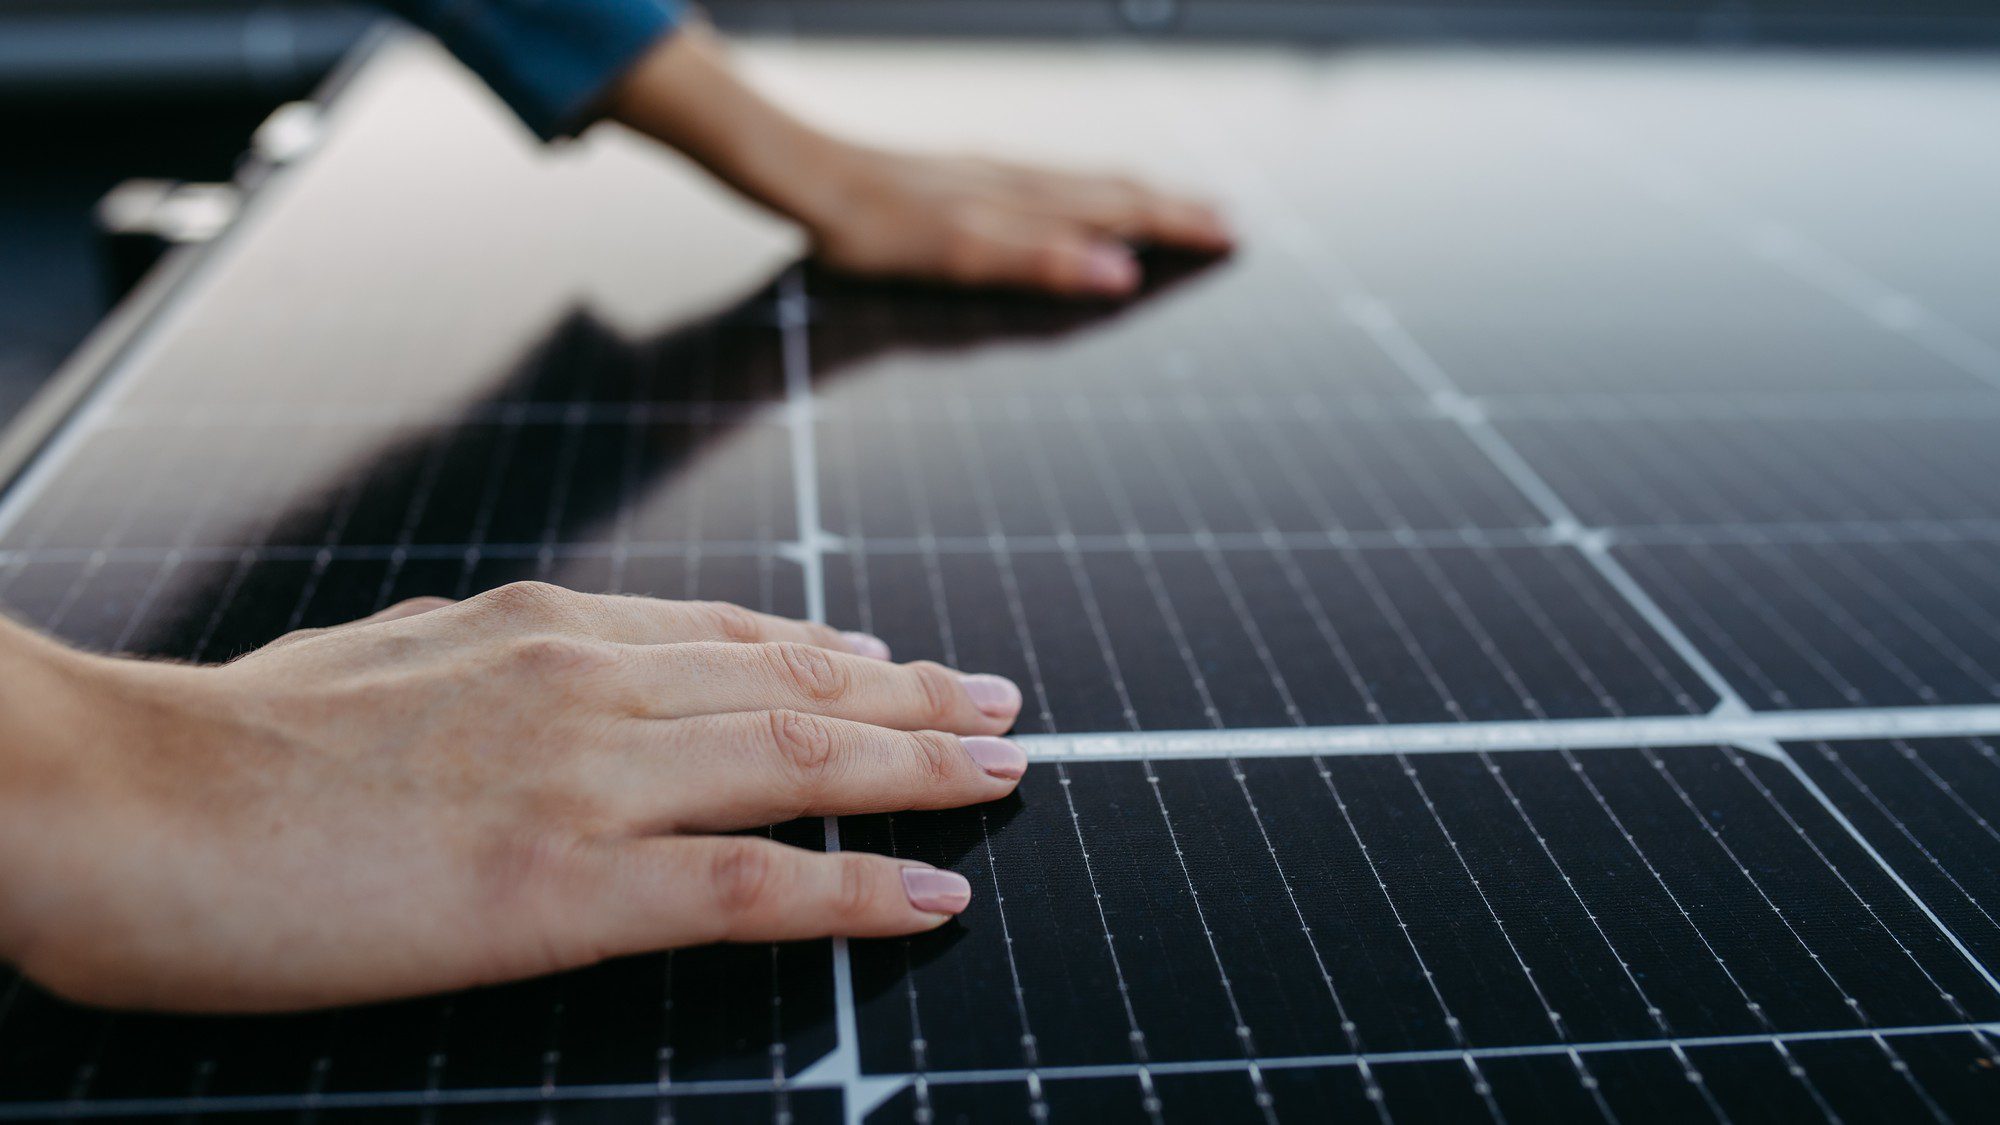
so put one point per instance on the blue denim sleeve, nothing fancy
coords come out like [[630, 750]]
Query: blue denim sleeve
[[548, 59]]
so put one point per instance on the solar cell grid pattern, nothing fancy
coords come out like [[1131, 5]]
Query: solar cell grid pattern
[[1473, 676]]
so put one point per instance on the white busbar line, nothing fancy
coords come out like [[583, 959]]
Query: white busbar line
[[1530, 734], [895, 1080]]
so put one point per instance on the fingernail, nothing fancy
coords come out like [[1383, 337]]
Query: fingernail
[[938, 892], [995, 695], [1110, 269], [863, 644], [997, 756]]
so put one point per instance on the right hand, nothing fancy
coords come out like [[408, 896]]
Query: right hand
[[451, 794]]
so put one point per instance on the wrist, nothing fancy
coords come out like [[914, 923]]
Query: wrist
[[685, 94], [57, 722], [40, 682], [799, 172]]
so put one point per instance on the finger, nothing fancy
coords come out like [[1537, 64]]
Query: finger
[[723, 772], [659, 893], [991, 247], [641, 620], [678, 681], [632, 619], [1126, 209], [1190, 224]]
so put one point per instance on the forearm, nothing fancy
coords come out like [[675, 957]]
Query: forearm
[[551, 60], [684, 93]]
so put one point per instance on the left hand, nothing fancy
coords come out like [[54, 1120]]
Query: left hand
[[959, 220], [971, 221]]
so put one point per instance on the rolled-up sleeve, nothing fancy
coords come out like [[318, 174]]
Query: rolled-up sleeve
[[549, 59]]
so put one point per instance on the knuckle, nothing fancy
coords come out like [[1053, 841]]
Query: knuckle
[[423, 604], [729, 622], [532, 600], [938, 756], [742, 874], [810, 670], [294, 637], [805, 744], [938, 692]]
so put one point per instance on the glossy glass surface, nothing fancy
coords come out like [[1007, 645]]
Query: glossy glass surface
[[1546, 386]]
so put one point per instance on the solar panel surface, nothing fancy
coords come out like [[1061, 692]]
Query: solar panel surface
[[1519, 641]]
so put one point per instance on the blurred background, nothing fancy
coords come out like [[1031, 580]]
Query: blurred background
[[99, 93]]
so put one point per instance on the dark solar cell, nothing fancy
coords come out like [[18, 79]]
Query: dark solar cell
[[1325, 483], [1802, 346], [1160, 467], [1641, 471], [1955, 1071], [1848, 1073], [1262, 319], [345, 358], [1111, 638], [509, 479], [1932, 808], [1900, 1077], [1531, 1087], [1835, 624], [780, 1107], [1291, 907]]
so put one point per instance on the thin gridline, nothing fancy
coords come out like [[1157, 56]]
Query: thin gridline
[[1159, 1086], [1761, 470], [1804, 624], [725, 362], [1038, 490], [1636, 1084], [1932, 805], [651, 479], [193, 590], [1160, 467], [1260, 1096], [1598, 798], [1896, 1063]]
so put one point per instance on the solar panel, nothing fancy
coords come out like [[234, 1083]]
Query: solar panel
[[1519, 641]]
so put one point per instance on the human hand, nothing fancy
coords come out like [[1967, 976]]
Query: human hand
[[451, 794], [963, 221], [978, 222]]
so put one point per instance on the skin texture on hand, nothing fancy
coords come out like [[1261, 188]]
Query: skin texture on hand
[[446, 795], [958, 220], [976, 222]]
